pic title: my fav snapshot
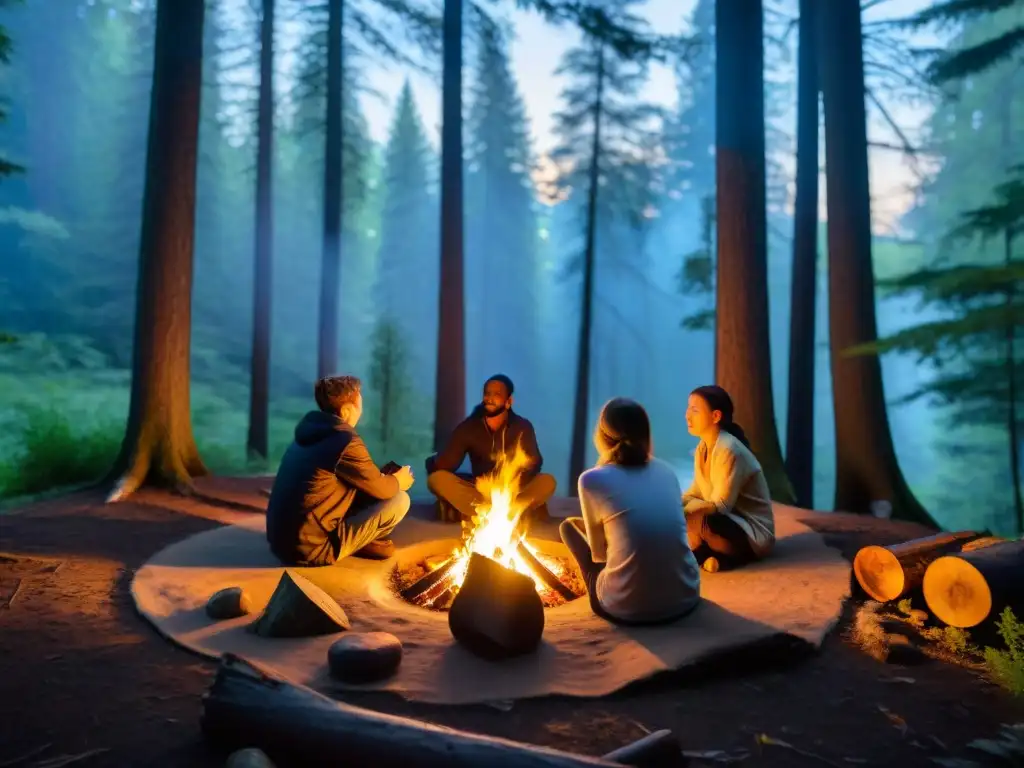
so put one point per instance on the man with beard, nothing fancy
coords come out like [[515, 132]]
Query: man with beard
[[491, 430]]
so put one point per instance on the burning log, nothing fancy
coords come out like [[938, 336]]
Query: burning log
[[247, 706], [889, 573], [497, 613], [544, 572], [965, 589], [415, 593]]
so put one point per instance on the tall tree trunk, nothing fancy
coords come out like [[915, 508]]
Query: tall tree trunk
[[803, 297], [450, 394], [1013, 432], [158, 446], [1011, 392], [866, 467], [259, 390], [334, 175], [578, 453], [742, 356]]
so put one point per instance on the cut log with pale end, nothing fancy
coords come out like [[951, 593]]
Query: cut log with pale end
[[889, 573], [299, 608], [968, 588], [660, 749], [497, 613], [247, 706]]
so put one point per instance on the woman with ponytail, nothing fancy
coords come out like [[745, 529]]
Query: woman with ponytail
[[728, 508], [631, 543]]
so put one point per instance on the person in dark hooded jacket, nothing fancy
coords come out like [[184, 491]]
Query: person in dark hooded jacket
[[492, 429], [329, 499]]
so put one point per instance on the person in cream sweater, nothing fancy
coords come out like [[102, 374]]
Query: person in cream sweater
[[728, 508]]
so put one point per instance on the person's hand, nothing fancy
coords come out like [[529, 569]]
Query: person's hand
[[405, 477]]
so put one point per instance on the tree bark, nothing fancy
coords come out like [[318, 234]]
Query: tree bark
[[246, 706], [803, 296], [866, 466], [259, 389], [450, 394], [334, 175], [578, 452], [742, 350], [159, 447], [1011, 329]]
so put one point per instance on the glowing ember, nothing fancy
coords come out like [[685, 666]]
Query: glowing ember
[[494, 530]]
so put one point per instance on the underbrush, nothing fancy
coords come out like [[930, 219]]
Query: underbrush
[[65, 410], [905, 634]]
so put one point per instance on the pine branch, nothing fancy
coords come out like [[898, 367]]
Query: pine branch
[[952, 11], [977, 58]]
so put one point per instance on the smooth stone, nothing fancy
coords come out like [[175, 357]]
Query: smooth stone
[[228, 603], [364, 657]]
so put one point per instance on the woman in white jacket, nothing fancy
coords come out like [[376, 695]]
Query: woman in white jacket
[[631, 543]]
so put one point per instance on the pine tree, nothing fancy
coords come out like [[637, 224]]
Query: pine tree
[[394, 427], [974, 346], [867, 470], [501, 226], [259, 389], [742, 350], [974, 56], [159, 446], [6, 167], [407, 260], [600, 127]]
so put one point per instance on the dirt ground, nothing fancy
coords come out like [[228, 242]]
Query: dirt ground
[[81, 671]]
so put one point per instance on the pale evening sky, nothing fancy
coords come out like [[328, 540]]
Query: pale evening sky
[[538, 48]]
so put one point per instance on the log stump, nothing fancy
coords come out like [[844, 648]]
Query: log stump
[[299, 608], [889, 573], [970, 588], [497, 613]]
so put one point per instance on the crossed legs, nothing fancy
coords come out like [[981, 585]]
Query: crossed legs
[[459, 492]]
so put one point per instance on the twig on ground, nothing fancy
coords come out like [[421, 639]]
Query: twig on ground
[[27, 756], [765, 740], [10, 600], [61, 760]]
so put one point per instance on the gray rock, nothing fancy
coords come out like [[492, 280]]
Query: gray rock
[[365, 657], [228, 603], [249, 758]]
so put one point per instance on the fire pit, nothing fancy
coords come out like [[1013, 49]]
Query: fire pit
[[495, 533]]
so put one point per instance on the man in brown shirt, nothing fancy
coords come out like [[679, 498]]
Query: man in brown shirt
[[329, 499]]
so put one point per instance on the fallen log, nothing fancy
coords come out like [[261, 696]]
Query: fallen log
[[544, 572], [660, 749], [968, 588], [889, 573], [248, 706]]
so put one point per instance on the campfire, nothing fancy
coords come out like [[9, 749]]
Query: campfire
[[495, 532]]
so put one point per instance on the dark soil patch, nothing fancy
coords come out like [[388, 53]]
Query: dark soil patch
[[81, 671]]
